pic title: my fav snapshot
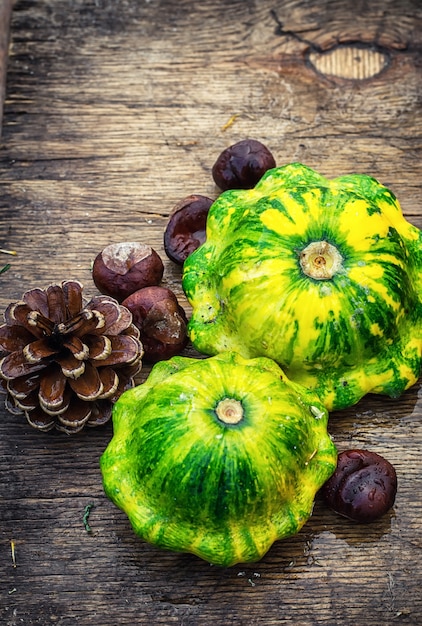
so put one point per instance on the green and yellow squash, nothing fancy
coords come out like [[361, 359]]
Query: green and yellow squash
[[322, 276], [218, 457]]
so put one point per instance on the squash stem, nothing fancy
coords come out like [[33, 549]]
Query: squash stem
[[320, 260], [229, 411]]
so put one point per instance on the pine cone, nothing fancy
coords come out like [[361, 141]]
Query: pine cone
[[66, 361]]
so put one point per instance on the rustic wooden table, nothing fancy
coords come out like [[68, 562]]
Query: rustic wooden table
[[114, 111]]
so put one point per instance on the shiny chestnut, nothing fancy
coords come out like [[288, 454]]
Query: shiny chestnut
[[241, 165], [161, 321], [363, 486], [122, 268], [185, 230]]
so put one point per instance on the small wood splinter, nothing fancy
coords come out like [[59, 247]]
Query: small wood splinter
[[230, 122], [12, 549]]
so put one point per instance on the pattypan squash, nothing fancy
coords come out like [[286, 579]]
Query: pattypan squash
[[322, 276], [219, 457]]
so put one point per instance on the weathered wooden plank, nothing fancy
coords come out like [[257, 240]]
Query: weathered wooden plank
[[5, 10], [114, 112]]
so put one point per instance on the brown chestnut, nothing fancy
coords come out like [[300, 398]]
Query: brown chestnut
[[161, 322], [185, 230], [363, 486], [122, 268], [241, 165]]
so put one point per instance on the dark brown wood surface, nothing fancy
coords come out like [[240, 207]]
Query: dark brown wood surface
[[5, 11], [114, 111]]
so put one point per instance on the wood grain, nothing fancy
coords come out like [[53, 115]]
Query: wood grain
[[5, 11], [114, 112]]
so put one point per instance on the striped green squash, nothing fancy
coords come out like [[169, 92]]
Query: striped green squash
[[219, 457], [323, 276]]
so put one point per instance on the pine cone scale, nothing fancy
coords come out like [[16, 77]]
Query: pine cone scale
[[29, 402], [36, 299], [88, 386], [110, 382], [99, 347], [42, 324], [124, 350], [57, 312], [20, 387], [13, 338], [15, 365], [86, 323], [40, 420], [100, 414], [72, 290], [74, 419], [79, 349], [19, 313], [116, 318], [71, 367], [55, 410], [51, 390], [123, 324], [38, 350]]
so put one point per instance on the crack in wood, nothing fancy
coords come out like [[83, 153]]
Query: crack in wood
[[352, 60]]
